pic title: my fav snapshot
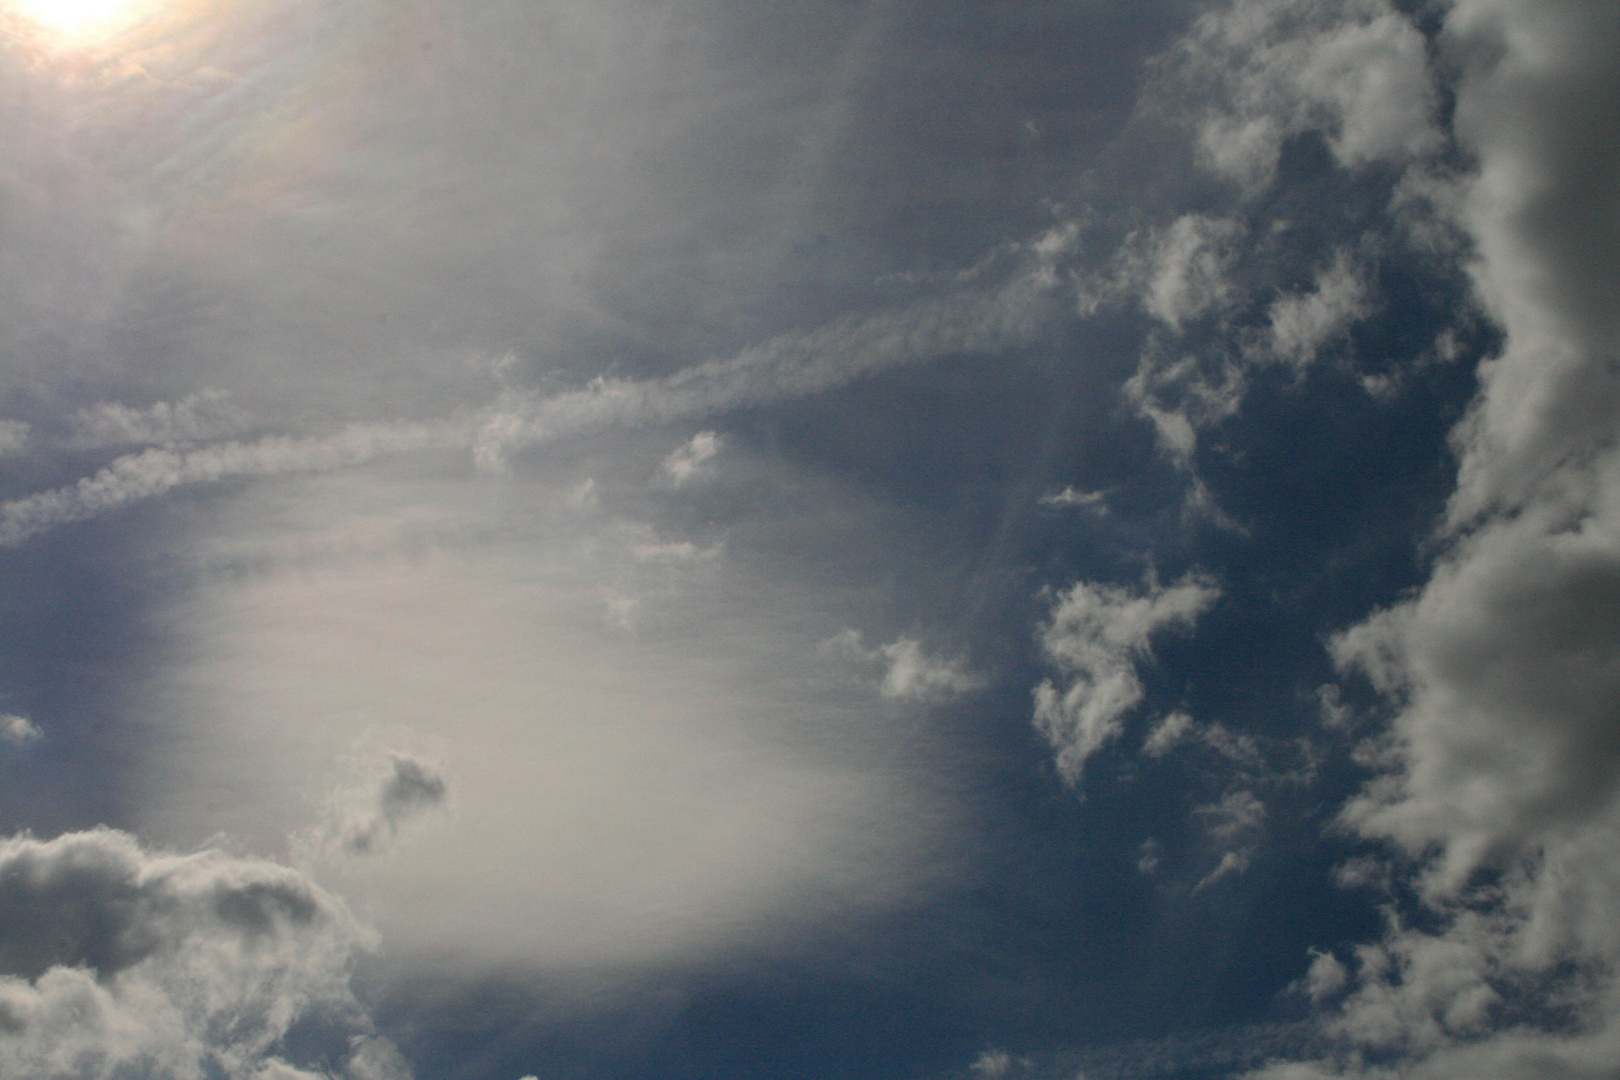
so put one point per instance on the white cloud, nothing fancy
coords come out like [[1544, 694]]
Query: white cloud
[[367, 818], [1269, 69], [690, 782], [157, 471], [1096, 637], [910, 673], [14, 437], [786, 367], [1325, 977], [789, 366], [1176, 273], [690, 461], [207, 414], [1186, 268], [1069, 498], [1168, 734], [118, 961], [1302, 324], [1180, 397], [1502, 672], [18, 730]]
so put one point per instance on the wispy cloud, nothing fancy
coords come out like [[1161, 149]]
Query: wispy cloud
[[690, 462], [368, 819], [14, 436], [159, 470], [1096, 637], [793, 365], [910, 673], [199, 417], [18, 730]]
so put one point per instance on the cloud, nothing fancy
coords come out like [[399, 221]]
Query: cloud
[[1181, 396], [18, 730], [792, 366], [1096, 636], [1265, 70], [159, 470], [14, 437], [911, 674], [784, 368], [1503, 756], [1180, 272], [1235, 823], [1302, 324], [369, 818], [689, 462], [199, 417], [1069, 498], [118, 961]]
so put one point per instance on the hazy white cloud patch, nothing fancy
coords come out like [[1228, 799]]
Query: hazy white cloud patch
[[1326, 977], [14, 435], [1269, 69], [688, 781], [118, 961], [199, 417], [1168, 734], [367, 819], [910, 673], [1235, 824], [1071, 499], [791, 366], [1182, 396], [159, 470], [693, 460], [1302, 324], [1096, 637], [19, 730], [993, 1064]]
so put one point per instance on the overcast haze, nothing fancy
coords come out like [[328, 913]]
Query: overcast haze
[[888, 540]]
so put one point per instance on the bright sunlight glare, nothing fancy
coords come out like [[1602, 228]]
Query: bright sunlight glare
[[78, 20]]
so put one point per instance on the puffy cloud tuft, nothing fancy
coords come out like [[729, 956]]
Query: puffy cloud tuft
[[18, 730], [1096, 637], [911, 674]]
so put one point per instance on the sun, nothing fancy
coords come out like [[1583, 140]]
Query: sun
[[75, 20]]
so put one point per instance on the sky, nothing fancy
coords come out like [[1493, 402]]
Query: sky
[[837, 540]]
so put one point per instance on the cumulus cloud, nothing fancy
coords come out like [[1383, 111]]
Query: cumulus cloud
[[910, 673], [1501, 673], [18, 730], [1096, 637], [690, 461], [121, 962], [14, 437], [199, 417]]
